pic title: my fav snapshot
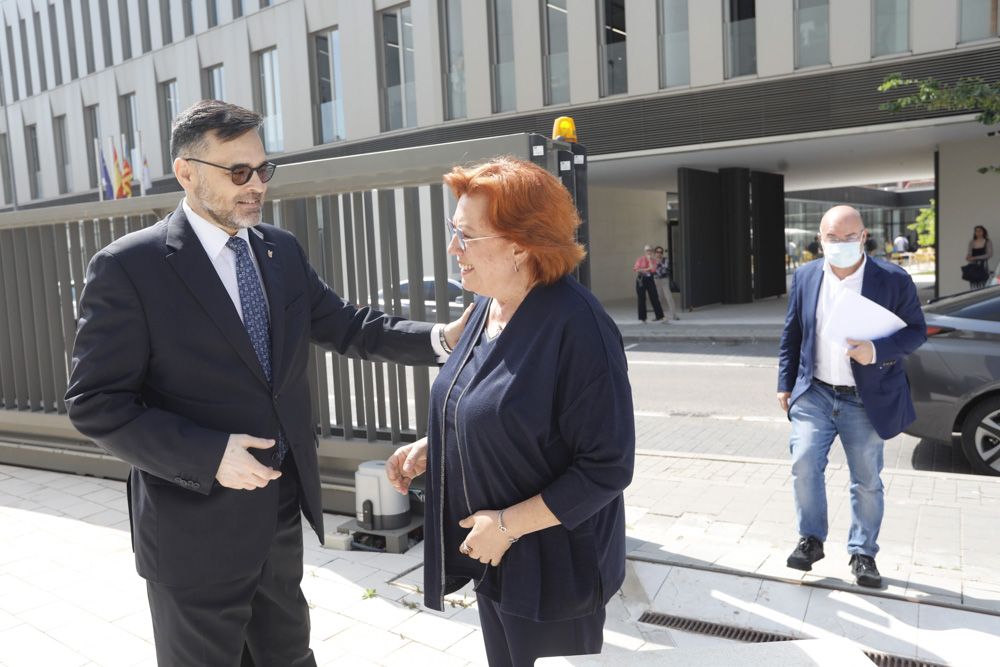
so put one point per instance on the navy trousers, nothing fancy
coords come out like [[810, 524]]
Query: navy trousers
[[513, 641]]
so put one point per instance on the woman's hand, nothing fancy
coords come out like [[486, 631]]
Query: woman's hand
[[408, 462], [484, 542], [453, 330]]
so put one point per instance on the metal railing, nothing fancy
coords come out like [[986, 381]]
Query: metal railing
[[367, 224]]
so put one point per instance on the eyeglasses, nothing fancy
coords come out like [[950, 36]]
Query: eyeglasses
[[462, 238], [242, 173], [853, 238]]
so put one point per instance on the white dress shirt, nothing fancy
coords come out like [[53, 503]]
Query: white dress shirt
[[832, 365], [213, 240]]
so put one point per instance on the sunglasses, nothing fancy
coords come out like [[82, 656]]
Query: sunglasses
[[242, 173], [462, 238]]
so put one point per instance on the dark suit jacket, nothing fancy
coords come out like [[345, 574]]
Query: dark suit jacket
[[884, 389], [163, 373]]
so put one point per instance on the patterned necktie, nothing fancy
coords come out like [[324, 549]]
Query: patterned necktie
[[255, 317]]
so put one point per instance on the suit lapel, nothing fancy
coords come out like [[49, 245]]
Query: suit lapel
[[187, 257], [872, 281], [269, 261]]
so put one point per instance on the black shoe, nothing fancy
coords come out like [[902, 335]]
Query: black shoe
[[808, 551], [864, 571], [658, 318]]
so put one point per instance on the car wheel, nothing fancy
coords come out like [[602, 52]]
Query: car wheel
[[981, 437]]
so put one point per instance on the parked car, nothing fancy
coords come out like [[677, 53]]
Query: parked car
[[455, 304], [955, 376]]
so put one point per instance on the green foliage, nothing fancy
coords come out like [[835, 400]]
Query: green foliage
[[369, 594], [925, 226]]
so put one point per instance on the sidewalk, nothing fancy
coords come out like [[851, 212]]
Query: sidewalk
[[707, 538]]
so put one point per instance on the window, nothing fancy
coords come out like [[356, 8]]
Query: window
[[399, 105], [212, 9], [54, 39], [675, 69], [328, 93], [166, 28], [890, 27], [213, 83], [26, 60], [977, 20], [502, 55], [43, 81], [34, 165], [556, 52], [237, 8], [106, 32], [123, 24], [62, 155], [12, 64], [268, 99], [812, 28], [8, 181], [127, 115], [168, 110], [611, 42], [92, 131], [454, 59], [187, 6], [88, 37], [740, 37], [74, 71], [144, 35]]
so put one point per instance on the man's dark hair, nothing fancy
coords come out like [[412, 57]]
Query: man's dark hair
[[228, 121]]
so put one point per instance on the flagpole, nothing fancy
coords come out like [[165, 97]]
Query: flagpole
[[111, 175], [138, 148], [97, 159]]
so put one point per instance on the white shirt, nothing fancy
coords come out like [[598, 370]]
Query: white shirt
[[213, 240], [832, 365]]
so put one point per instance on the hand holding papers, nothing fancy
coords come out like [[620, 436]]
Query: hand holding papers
[[853, 316]]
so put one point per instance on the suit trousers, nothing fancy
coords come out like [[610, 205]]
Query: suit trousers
[[260, 620], [513, 641]]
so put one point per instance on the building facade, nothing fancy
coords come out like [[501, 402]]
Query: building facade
[[784, 86]]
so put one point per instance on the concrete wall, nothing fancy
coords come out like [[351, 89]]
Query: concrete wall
[[621, 222], [965, 199]]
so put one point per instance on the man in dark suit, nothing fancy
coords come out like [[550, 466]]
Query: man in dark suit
[[859, 393], [190, 364]]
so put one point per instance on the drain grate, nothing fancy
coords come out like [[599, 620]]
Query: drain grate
[[757, 637]]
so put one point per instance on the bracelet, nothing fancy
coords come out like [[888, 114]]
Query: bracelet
[[444, 341], [503, 528]]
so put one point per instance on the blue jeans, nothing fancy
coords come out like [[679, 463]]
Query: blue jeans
[[817, 417]]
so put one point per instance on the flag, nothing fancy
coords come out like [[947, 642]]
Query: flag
[[147, 181], [125, 187], [109, 192], [116, 171]]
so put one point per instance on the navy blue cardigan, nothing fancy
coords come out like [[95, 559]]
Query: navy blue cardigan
[[550, 412]]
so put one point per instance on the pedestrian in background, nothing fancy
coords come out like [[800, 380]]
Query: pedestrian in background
[[860, 393], [979, 254], [531, 436], [664, 279], [645, 270]]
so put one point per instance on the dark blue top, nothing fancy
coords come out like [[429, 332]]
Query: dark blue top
[[547, 409]]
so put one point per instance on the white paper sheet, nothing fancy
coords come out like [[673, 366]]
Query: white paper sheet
[[854, 316]]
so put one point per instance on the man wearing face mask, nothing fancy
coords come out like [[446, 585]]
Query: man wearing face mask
[[859, 393]]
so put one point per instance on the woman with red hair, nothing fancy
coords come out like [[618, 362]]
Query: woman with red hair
[[531, 439]]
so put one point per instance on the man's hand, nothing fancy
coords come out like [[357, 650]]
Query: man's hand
[[407, 462], [453, 330], [239, 469], [862, 351], [484, 542], [783, 397]]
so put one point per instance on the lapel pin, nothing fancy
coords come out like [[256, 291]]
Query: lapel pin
[[270, 254]]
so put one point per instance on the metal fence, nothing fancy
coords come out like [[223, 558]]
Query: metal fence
[[370, 225]]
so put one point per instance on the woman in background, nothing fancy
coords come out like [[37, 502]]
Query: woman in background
[[980, 252]]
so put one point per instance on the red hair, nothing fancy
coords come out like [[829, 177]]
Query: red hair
[[529, 206]]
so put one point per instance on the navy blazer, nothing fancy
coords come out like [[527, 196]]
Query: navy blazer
[[549, 411], [883, 386], [164, 371]]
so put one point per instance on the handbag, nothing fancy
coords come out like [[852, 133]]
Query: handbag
[[975, 272]]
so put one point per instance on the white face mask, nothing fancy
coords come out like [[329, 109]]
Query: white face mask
[[842, 255]]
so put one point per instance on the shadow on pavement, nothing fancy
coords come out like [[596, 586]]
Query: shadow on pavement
[[938, 456]]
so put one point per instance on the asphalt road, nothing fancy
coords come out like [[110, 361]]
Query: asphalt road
[[720, 399]]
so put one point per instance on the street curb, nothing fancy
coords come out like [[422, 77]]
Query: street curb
[[691, 338]]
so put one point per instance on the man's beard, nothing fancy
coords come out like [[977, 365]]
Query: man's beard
[[226, 219]]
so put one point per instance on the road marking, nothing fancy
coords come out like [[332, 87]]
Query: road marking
[[705, 415], [629, 347], [726, 364]]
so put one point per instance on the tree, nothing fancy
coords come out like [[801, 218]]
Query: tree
[[925, 226], [967, 94]]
